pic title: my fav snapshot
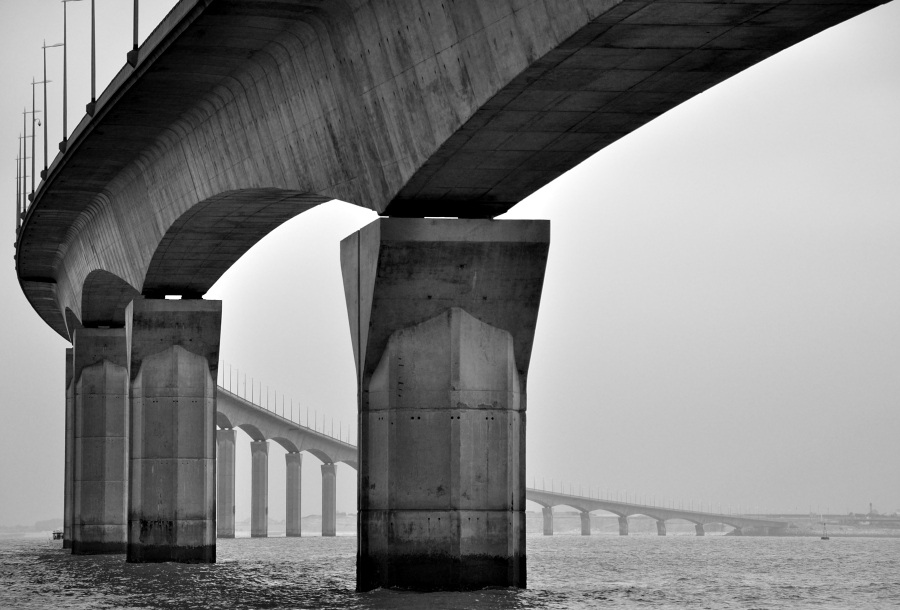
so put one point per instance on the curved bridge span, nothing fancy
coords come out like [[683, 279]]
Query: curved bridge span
[[263, 425], [549, 499]]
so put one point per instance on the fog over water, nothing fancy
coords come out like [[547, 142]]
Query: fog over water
[[720, 314]]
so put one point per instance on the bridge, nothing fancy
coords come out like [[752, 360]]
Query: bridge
[[262, 425], [586, 504], [236, 115]]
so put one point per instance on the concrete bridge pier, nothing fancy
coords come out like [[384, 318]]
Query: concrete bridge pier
[[548, 520], [329, 499], [173, 361], [69, 475], [293, 475], [623, 526], [442, 315], [585, 524], [100, 456], [699, 529], [660, 528], [225, 440], [259, 489]]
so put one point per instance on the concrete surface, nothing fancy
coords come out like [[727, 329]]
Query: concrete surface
[[225, 440], [293, 494], [173, 359], [259, 489], [329, 499]]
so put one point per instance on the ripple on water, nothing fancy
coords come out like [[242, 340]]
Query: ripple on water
[[563, 571]]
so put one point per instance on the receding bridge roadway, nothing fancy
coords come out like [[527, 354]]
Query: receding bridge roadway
[[262, 425]]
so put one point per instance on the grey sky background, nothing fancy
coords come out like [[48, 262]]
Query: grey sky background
[[721, 311]]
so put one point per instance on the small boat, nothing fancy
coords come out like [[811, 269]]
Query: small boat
[[825, 532], [57, 534]]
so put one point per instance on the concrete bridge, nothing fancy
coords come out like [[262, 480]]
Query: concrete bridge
[[263, 425], [623, 510], [236, 115]]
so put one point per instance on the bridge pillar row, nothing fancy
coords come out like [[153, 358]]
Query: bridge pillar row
[[329, 499], [585, 524], [548, 520], [69, 475], [225, 441], [442, 315], [259, 489], [100, 456], [660, 527], [173, 351], [623, 526], [293, 475], [699, 529]]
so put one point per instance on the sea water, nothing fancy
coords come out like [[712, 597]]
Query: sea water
[[564, 571]]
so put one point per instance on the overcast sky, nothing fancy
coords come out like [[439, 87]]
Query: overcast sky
[[721, 311]]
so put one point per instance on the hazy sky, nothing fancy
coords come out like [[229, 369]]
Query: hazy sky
[[721, 311]]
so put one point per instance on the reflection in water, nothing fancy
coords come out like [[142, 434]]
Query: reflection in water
[[563, 572]]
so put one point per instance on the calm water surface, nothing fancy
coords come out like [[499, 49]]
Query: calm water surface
[[563, 571]]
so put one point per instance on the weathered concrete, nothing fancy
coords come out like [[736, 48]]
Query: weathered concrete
[[585, 524], [293, 476], [329, 499], [442, 316], [225, 440], [173, 361], [623, 526], [660, 528], [242, 113], [699, 529], [100, 468], [69, 473], [547, 512], [259, 489]]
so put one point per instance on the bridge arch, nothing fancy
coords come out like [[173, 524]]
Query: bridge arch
[[104, 298]]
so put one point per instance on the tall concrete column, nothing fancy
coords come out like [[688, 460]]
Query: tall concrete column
[[225, 440], [69, 475], [660, 528], [294, 475], [623, 526], [585, 524], [100, 466], [173, 362], [699, 529], [259, 489], [442, 316], [329, 499], [547, 514]]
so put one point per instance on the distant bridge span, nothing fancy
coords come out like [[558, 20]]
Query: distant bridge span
[[549, 499]]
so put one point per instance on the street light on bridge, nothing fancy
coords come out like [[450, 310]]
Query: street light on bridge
[[46, 116], [62, 145]]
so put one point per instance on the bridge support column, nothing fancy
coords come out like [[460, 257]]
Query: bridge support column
[[225, 440], [585, 524], [442, 316], [623, 526], [548, 520], [699, 529], [100, 457], [293, 476], [259, 489], [69, 474], [173, 361], [660, 528], [329, 499]]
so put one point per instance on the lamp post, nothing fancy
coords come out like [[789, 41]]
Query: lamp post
[[46, 117], [93, 103], [62, 145], [34, 120], [133, 53]]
